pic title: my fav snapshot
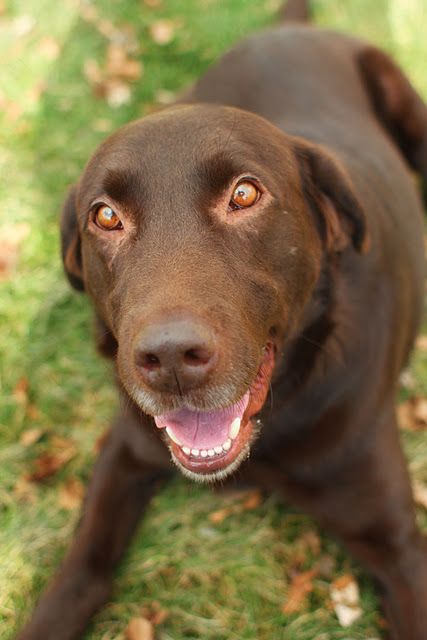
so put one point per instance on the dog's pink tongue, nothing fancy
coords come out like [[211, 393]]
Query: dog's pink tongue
[[202, 429]]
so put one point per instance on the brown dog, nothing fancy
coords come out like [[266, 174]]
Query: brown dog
[[274, 241]]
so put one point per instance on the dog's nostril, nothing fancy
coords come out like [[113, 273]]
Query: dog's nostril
[[148, 361], [197, 356]]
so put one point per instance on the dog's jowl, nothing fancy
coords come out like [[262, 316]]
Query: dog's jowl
[[263, 232]]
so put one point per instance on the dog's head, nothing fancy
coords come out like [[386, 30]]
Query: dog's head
[[199, 233]]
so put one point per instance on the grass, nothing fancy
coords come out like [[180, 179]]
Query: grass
[[222, 581]]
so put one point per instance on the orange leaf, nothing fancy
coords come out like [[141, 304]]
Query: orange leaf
[[301, 586], [139, 629]]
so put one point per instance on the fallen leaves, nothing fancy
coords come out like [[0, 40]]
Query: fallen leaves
[[420, 493], [112, 80], [246, 501], [345, 598], [12, 239], [52, 460], [30, 437], [412, 414], [139, 629], [71, 494], [162, 32], [301, 587]]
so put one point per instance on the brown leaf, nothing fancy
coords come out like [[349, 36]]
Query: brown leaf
[[162, 31], [139, 629], [247, 500], [13, 235], [20, 391], [220, 515], [154, 613], [301, 586], [421, 342], [111, 82], [311, 541], [253, 500], [49, 48], [31, 436], [153, 4], [49, 462], [345, 599], [24, 491], [420, 493], [119, 65], [412, 414], [71, 494]]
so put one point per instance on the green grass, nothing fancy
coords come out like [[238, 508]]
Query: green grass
[[224, 581]]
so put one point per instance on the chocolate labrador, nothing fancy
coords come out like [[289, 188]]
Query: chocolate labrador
[[264, 232]]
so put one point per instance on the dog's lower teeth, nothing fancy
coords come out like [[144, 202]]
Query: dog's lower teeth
[[218, 450], [211, 453], [187, 451], [227, 445], [204, 453], [195, 452], [234, 428]]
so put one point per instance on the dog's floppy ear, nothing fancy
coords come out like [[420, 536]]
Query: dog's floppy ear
[[70, 241], [330, 194]]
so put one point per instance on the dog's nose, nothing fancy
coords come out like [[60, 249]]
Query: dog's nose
[[176, 354]]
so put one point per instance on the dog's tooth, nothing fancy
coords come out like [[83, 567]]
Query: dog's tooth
[[195, 452], [234, 428], [211, 453], [218, 450], [226, 445], [173, 437], [186, 450], [204, 453]]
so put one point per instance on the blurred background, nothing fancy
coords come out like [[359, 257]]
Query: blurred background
[[235, 567]]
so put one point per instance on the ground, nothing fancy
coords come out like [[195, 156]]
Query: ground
[[202, 565]]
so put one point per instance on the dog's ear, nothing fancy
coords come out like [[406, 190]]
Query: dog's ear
[[330, 195], [70, 241]]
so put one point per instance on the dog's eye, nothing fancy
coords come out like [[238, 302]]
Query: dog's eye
[[107, 219], [244, 195]]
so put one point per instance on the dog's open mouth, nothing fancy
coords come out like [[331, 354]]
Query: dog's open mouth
[[209, 445]]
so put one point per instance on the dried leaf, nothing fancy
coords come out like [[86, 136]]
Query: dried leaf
[[31, 436], [111, 82], [311, 541], [220, 515], [253, 500], [345, 599], [301, 586], [71, 494], [139, 629], [162, 31], [13, 235], [153, 4], [412, 414], [24, 491], [154, 613], [420, 493], [49, 48], [421, 343], [49, 462], [247, 500], [20, 391]]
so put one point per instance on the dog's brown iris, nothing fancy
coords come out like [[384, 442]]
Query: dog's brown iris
[[245, 194], [107, 219]]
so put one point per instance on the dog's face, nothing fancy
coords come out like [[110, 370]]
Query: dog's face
[[200, 233]]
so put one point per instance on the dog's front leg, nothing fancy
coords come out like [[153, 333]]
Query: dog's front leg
[[121, 488]]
